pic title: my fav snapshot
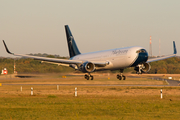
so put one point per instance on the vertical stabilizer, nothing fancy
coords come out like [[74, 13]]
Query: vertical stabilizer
[[73, 49]]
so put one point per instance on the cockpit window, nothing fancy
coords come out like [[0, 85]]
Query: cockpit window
[[141, 51]]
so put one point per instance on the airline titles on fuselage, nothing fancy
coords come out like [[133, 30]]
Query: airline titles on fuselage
[[117, 52]]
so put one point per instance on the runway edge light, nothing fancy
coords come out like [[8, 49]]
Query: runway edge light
[[0, 84]]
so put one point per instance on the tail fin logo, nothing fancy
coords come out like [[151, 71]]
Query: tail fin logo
[[70, 39], [73, 49]]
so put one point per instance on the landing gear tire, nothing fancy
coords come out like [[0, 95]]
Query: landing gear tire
[[119, 77], [88, 77], [91, 77], [124, 77]]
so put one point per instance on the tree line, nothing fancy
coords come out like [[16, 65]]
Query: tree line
[[27, 65], [168, 66]]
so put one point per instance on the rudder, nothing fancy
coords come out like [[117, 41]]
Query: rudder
[[73, 49]]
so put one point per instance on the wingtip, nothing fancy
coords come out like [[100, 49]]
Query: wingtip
[[174, 46], [6, 48]]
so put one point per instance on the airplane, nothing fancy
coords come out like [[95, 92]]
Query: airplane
[[113, 59]]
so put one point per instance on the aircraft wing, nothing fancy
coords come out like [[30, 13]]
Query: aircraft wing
[[55, 60], [164, 57]]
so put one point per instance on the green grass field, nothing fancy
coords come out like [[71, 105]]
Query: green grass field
[[92, 102], [89, 107]]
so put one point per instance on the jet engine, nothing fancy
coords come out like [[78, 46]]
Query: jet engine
[[142, 68], [87, 67]]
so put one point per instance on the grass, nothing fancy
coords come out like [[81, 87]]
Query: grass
[[93, 102], [89, 107]]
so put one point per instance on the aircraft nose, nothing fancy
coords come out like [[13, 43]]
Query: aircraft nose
[[143, 56]]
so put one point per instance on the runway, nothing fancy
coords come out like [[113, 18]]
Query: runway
[[83, 85], [169, 82], [13, 82]]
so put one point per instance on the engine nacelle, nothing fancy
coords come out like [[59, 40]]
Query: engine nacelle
[[142, 68], [87, 67]]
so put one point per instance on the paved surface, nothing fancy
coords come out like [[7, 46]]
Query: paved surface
[[173, 82], [83, 85], [169, 83]]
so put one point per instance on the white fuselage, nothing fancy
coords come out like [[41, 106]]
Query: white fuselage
[[117, 58]]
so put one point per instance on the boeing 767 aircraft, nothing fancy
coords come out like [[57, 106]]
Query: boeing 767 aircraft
[[114, 59]]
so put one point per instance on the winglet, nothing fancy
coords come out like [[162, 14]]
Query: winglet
[[174, 46], [6, 48]]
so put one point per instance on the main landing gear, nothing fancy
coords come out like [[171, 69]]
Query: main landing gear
[[121, 76], [88, 77]]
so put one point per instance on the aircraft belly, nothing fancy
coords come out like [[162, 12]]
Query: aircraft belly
[[119, 62], [116, 63]]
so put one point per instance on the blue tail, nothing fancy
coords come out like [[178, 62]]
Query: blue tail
[[73, 49]]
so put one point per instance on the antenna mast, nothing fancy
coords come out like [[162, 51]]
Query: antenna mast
[[159, 47], [150, 48]]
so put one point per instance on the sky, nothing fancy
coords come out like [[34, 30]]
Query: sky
[[37, 26]]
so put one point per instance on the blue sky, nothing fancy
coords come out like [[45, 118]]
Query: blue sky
[[37, 26]]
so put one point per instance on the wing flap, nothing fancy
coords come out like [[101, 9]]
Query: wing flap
[[67, 65], [100, 63], [55, 60]]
